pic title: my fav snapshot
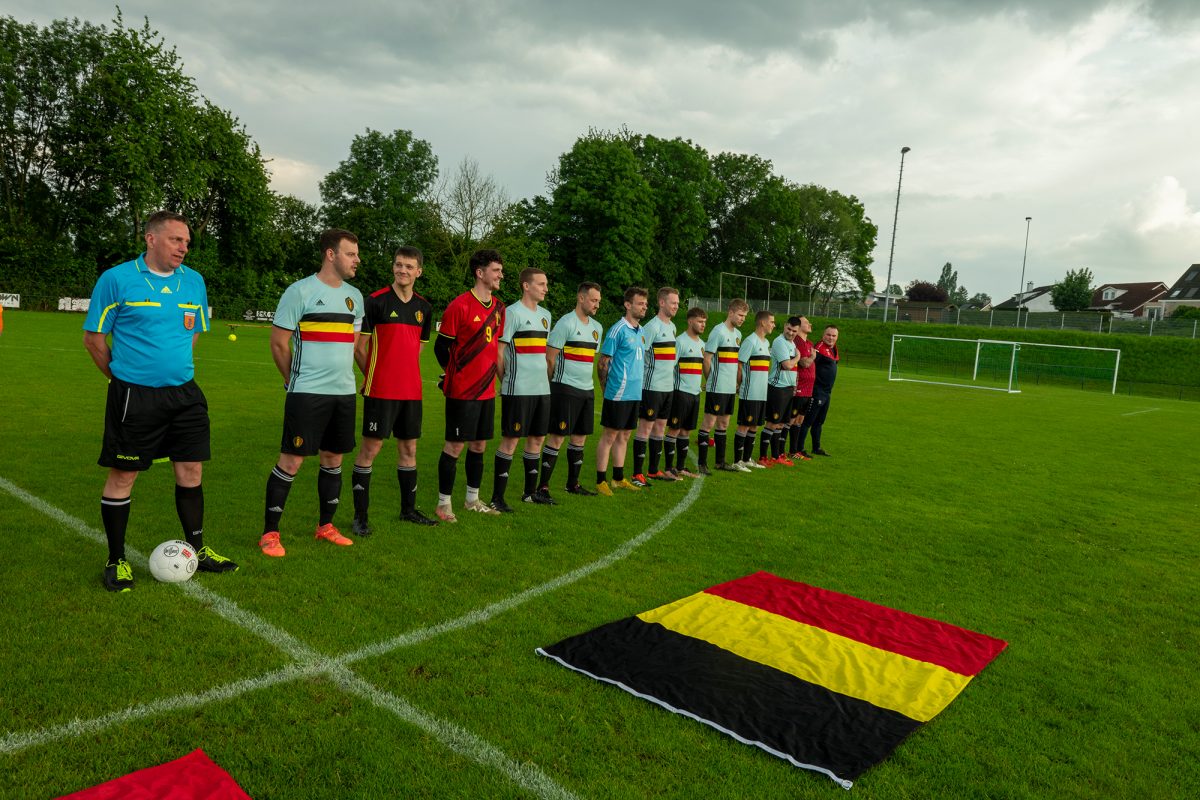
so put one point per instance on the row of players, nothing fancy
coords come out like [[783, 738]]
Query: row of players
[[154, 308]]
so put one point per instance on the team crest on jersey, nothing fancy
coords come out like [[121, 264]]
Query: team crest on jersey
[[297, 441], [595, 336], [420, 317], [189, 320], [350, 303], [545, 324]]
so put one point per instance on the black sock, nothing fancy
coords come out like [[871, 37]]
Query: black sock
[[503, 463], [702, 443], [360, 488], [794, 436], [681, 452], [574, 464], [739, 446], [656, 448], [668, 445], [329, 492], [719, 443], [447, 466], [530, 462], [115, 515], [618, 474], [639, 454], [549, 459], [600, 477], [278, 486], [407, 476], [189, 504], [474, 470], [777, 443], [764, 442]]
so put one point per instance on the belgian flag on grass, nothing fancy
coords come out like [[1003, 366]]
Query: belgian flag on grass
[[824, 680]]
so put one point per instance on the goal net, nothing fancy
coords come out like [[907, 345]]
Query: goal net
[[1001, 365]]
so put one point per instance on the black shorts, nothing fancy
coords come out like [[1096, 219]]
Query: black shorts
[[524, 414], [655, 405], [620, 415], [720, 405], [144, 423], [750, 412], [470, 420], [685, 408], [314, 422], [385, 418], [779, 404], [572, 410], [801, 405]]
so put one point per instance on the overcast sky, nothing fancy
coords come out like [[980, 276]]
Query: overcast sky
[[1082, 115]]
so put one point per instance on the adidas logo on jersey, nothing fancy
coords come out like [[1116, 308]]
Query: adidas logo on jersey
[[393, 314], [166, 290], [320, 302], [476, 318]]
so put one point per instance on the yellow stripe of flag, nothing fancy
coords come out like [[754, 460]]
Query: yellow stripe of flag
[[917, 689]]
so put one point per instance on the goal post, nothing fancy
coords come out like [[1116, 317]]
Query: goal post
[[1001, 365], [970, 363]]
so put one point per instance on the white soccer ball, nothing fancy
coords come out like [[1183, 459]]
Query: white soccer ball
[[173, 561]]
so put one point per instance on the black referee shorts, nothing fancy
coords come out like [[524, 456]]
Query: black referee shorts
[[144, 423]]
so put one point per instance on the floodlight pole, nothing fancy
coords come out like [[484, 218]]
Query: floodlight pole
[[1021, 288], [887, 290]]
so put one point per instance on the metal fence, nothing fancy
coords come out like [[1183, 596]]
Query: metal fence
[[1024, 319]]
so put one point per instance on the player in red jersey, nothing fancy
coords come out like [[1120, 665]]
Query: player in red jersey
[[396, 324], [467, 347], [805, 375]]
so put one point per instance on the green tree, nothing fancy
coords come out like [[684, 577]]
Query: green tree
[[979, 300], [382, 193], [1186, 312], [732, 215], [603, 220], [1074, 292]]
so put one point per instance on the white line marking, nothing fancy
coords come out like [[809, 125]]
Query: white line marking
[[308, 663], [311, 663], [1143, 411]]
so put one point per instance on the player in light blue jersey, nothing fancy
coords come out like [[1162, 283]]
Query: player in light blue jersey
[[657, 389], [312, 343], [570, 361], [524, 389], [721, 376], [620, 369], [781, 388], [155, 309], [754, 358]]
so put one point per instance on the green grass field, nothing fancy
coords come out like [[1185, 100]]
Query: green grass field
[[1062, 521]]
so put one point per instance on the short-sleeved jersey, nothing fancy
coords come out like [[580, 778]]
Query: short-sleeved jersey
[[625, 344], [397, 330], [660, 355], [805, 375], [723, 344], [689, 363], [781, 376], [524, 340], [826, 364], [576, 343], [475, 329], [152, 319], [323, 320], [755, 355]]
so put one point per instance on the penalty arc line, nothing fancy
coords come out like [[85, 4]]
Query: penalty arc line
[[312, 663]]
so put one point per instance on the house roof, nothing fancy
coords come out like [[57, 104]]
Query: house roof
[[1187, 287], [1127, 296], [1023, 298]]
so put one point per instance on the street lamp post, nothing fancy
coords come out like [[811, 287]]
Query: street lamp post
[[887, 291], [1021, 288]]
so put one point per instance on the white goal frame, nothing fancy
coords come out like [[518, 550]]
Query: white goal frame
[[1012, 367]]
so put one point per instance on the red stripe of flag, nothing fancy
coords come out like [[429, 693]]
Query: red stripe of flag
[[949, 646]]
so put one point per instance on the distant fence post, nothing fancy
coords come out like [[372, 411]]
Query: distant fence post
[[1151, 326]]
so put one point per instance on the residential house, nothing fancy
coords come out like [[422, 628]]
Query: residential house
[[1032, 299], [1185, 292], [1128, 300]]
